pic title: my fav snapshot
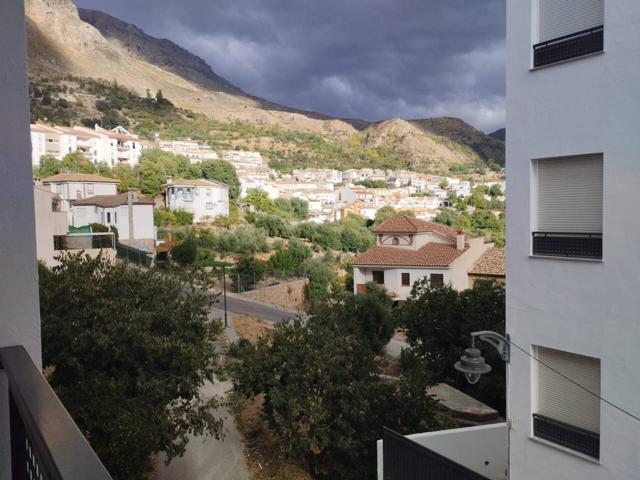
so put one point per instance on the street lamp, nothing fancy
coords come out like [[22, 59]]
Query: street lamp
[[472, 364]]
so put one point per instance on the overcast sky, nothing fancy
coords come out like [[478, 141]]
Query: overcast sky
[[371, 59]]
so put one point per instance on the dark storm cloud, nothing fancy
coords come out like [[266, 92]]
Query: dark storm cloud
[[373, 59]]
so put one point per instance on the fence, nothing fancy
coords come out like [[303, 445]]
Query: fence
[[134, 255]]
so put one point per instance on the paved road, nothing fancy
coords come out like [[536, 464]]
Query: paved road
[[239, 305]]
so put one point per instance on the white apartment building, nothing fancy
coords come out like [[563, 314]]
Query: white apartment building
[[572, 302], [56, 142], [242, 158], [130, 213], [408, 249], [206, 199], [50, 222], [194, 151], [76, 186]]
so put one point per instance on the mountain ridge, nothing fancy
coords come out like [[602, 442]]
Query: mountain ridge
[[64, 40]]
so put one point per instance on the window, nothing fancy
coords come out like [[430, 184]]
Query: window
[[567, 414], [208, 192], [569, 204], [108, 217], [568, 29], [378, 277], [436, 279], [395, 241], [209, 205], [90, 189], [115, 217], [406, 280]]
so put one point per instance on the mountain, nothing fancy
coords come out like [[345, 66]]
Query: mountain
[[500, 134], [67, 42]]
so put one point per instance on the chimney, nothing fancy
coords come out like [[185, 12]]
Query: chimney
[[460, 240], [169, 180], [132, 196]]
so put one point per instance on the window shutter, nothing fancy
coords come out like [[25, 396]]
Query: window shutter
[[570, 194], [560, 399], [564, 17]]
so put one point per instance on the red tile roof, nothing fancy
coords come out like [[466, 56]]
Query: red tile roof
[[430, 255], [491, 263], [405, 224]]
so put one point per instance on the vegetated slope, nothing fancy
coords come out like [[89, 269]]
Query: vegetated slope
[[490, 149], [62, 46], [500, 134]]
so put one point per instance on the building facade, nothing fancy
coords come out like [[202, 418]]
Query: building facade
[[408, 249], [76, 186], [206, 199], [572, 150]]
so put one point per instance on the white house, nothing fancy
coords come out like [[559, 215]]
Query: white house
[[50, 222], [204, 198], [130, 213], [194, 151], [53, 141], [76, 186], [242, 158], [408, 249]]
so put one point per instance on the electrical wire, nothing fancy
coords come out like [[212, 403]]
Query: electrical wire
[[602, 399]]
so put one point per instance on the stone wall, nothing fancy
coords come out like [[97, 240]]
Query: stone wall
[[286, 294]]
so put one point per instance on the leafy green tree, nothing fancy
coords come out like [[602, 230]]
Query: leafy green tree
[[183, 217], [300, 208], [130, 350], [77, 162], [495, 190], [222, 171], [290, 261], [163, 217], [249, 270], [321, 277], [260, 200], [438, 321], [324, 397], [356, 239], [49, 166], [273, 225], [126, 175], [186, 251]]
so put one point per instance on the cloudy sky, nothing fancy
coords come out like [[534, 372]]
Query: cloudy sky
[[372, 59]]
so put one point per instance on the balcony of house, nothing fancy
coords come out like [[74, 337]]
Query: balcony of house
[[568, 436], [92, 244], [45, 442], [568, 245], [472, 453], [567, 47]]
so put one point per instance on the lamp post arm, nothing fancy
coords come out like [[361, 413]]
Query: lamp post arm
[[500, 343]]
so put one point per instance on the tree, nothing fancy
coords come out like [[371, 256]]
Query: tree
[[273, 225], [130, 350], [260, 200], [495, 190], [126, 175], [249, 271], [321, 277], [438, 321], [222, 171], [186, 251], [77, 162], [324, 397], [290, 261], [300, 208], [49, 166], [356, 239]]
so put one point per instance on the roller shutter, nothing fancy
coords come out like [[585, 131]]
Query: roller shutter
[[564, 17]]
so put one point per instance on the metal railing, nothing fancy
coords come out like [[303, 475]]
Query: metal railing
[[575, 438], [46, 444], [405, 459], [84, 241], [134, 255], [570, 46], [564, 244]]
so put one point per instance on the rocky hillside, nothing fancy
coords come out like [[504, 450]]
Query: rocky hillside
[[88, 44]]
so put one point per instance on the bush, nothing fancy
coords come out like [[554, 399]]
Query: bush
[[290, 262], [183, 217], [186, 251]]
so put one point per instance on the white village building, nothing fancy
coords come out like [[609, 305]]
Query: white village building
[[206, 199], [76, 186]]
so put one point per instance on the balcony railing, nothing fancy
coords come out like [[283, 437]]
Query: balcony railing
[[570, 46], [574, 245], [405, 459], [46, 444], [575, 438], [84, 241]]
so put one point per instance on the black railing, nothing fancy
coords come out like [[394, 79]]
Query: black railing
[[575, 245], [569, 46], [134, 255], [404, 459], [46, 444], [575, 438]]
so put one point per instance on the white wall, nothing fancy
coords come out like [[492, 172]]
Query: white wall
[[393, 278], [20, 321], [590, 308], [461, 265], [482, 449], [48, 223]]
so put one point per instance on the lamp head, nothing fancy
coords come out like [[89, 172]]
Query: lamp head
[[472, 365]]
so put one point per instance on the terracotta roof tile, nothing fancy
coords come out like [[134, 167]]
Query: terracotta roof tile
[[430, 255], [492, 262], [79, 177], [405, 224]]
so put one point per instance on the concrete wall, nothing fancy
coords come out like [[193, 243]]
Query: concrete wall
[[589, 105], [461, 265], [286, 294], [48, 223], [20, 320], [482, 449], [393, 278]]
